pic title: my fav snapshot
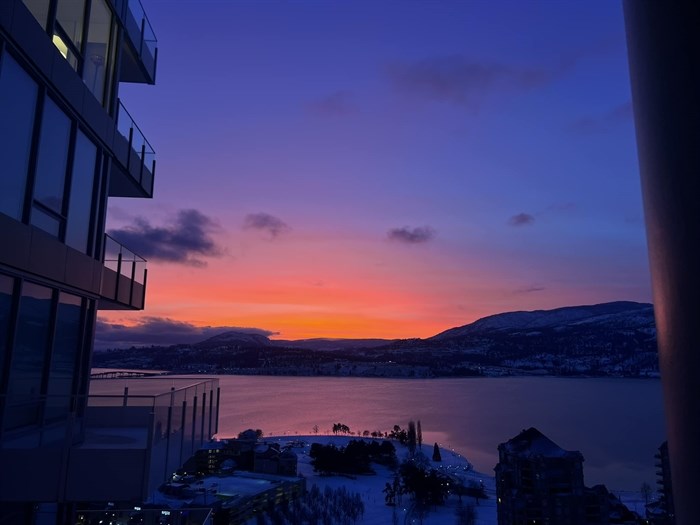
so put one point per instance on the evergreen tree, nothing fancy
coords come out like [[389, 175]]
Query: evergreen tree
[[436, 453], [419, 435], [411, 438]]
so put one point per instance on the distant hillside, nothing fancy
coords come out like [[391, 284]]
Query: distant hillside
[[332, 344], [611, 339], [618, 313]]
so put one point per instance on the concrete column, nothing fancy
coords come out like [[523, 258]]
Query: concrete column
[[663, 40]]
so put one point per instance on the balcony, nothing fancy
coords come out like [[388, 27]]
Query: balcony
[[123, 278], [140, 47], [135, 160]]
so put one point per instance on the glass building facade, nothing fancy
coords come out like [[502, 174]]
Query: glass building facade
[[64, 151]]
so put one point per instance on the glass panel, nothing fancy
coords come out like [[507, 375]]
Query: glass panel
[[97, 49], [69, 15], [17, 102], [53, 155], [40, 10], [46, 222], [80, 203], [6, 286], [64, 359], [26, 368]]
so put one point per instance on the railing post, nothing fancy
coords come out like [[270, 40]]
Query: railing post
[[119, 275], [143, 31], [143, 161], [133, 279], [131, 147]]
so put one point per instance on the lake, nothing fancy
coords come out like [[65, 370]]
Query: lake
[[616, 423]]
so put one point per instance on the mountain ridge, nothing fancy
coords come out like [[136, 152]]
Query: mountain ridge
[[607, 339]]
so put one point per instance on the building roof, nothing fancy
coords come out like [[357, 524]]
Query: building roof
[[532, 443]]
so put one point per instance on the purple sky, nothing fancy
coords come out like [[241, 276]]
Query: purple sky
[[387, 169]]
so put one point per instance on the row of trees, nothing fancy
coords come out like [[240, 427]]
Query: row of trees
[[330, 507], [355, 458]]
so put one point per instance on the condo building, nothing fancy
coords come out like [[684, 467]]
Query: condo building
[[68, 144]]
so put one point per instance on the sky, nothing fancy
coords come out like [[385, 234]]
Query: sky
[[381, 168]]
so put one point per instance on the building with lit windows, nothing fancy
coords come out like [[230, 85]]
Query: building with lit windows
[[67, 144]]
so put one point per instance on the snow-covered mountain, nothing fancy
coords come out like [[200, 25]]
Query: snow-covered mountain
[[624, 314]]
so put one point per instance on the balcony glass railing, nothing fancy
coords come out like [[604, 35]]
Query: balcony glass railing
[[147, 37], [141, 33], [123, 278], [138, 145], [123, 261]]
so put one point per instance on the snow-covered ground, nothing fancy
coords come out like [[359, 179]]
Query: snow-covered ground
[[370, 487]]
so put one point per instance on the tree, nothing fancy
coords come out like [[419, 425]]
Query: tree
[[411, 438], [419, 435], [436, 453], [315, 429], [645, 489]]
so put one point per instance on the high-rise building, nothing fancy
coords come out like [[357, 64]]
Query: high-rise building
[[66, 144], [538, 482]]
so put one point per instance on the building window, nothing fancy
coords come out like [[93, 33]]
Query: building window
[[97, 65], [28, 356], [40, 10], [49, 183], [6, 286], [64, 357], [68, 30], [18, 95], [80, 204]]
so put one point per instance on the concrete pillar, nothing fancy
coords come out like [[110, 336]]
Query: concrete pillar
[[663, 40]]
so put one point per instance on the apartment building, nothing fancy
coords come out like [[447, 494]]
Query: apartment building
[[67, 144]]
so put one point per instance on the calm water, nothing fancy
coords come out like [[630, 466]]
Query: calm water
[[616, 423]]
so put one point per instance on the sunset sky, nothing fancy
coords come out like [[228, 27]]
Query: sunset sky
[[380, 168]]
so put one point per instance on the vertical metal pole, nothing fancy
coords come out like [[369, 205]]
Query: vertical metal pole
[[663, 43]]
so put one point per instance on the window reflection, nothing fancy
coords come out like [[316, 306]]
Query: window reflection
[[31, 340], [6, 286], [40, 10], [18, 93], [64, 358], [97, 53], [70, 15], [51, 163], [80, 203]]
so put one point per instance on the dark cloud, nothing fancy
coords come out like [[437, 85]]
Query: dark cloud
[[460, 80], [182, 241], [265, 222], [530, 289], [161, 331], [521, 219], [408, 235], [336, 104], [598, 123]]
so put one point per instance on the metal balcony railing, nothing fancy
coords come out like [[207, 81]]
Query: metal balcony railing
[[140, 31], [141, 155], [123, 277]]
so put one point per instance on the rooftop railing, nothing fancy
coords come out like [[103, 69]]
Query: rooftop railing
[[144, 161]]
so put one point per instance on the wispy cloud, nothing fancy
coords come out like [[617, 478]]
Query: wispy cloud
[[264, 222], [336, 104], [461, 80], [529, 289], [603, 122], [521, 219], [161, 331], [408, 235], [184, 241]]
